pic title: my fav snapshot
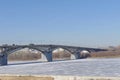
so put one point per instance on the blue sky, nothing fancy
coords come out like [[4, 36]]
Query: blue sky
[[91, 23]]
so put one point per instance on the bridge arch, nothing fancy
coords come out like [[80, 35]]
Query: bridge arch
[[73, 53], [10, 51], [84, 53], [24, 54], [60, 53], [55, 48], [4, 55]]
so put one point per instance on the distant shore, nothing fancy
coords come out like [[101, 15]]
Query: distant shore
[[111, 53]]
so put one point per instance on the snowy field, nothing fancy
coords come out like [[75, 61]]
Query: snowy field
[[81, 67]]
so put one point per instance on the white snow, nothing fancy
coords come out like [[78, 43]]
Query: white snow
[[81, 67]]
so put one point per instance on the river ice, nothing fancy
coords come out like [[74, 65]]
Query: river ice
[[81, 67]]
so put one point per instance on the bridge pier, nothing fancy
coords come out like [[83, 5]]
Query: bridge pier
[[75, 55], [46, 56], [3, 60]]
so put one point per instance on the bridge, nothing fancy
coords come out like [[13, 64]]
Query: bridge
[[46, 51]]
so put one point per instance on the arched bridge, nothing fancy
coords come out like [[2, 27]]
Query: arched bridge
[[46, 51]]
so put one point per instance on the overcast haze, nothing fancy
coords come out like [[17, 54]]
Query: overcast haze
[[91, 23]]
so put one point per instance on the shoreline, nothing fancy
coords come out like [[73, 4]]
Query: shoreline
[[53, 77]]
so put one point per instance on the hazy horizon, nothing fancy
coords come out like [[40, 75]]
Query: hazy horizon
[[89, 23]]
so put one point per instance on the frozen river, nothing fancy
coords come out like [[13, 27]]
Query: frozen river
[[81, 67]]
